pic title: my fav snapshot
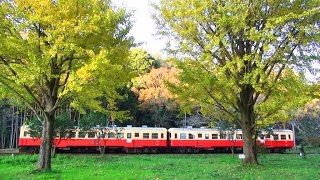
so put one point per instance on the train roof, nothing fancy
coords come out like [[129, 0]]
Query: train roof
[[145, 128], [281, 130], [193, 129]]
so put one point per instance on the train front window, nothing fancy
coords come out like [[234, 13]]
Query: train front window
[[289, 137], [162, 136], [25, 133], [154, 135], [183, 136], [283, 137]]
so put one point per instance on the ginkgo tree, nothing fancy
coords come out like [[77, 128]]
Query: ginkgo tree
[[57, 50], [154, 96], [242, 60]]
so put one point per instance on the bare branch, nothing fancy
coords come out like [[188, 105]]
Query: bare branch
[[23, 98]]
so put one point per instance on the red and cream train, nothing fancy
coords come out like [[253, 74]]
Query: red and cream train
[[152, 140]]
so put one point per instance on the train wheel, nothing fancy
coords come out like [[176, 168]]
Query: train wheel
[[139, 151], [154, 150], [182, 150], [146, 150], [129, 151], [189, 150], [282, 150], [102, 149]]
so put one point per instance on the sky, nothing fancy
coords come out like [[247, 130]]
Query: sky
[[144, 26]]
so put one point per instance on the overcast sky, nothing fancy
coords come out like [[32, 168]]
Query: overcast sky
[[144, 27]]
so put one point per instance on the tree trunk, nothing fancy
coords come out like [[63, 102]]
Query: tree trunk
[[247, 123], [44, 162], [249, 144]]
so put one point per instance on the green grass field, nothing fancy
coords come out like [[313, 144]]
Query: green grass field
[[162, 166]]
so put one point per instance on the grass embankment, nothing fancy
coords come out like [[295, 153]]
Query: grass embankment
[[163, 166]]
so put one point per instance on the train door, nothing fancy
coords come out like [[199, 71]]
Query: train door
[[129, 138]]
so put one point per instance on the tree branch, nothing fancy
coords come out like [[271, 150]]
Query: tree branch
[[23, 98]]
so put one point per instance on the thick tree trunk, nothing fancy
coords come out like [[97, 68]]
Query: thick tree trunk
[[247, 123], [44, 162], [249, 143]]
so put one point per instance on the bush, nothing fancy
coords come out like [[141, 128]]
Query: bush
[[314, 141]]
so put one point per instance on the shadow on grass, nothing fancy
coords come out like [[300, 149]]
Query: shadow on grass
[[37, 172]]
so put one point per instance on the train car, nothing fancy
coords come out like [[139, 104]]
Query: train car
[[145, 139], [152, 140], [199, 139], [129, 139], [277, 141], [74, 139]]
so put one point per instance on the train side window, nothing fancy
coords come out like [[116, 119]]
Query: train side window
[[154, 136], [162, 136], [145, 135], [261, 136], [81, 134], [289, 137], [206, 136], [223, 136], [128, 135], [283, 136], [136, 135], [72, 134], [91, 135], [214, 136], [120, 135], [191, 136], [111, 135], [176, 136], [239, 136], [229, 136], [183, 136], [275, 137], [102, 135], [268, 136], [199, 135]]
